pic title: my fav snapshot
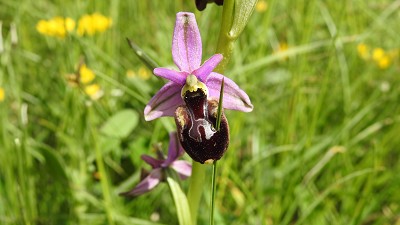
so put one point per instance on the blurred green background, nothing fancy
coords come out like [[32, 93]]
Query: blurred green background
[[320, 147]]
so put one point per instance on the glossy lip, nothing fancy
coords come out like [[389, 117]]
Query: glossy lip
[[195, 124]]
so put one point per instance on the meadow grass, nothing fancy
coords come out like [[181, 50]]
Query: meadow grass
[[320, 147]]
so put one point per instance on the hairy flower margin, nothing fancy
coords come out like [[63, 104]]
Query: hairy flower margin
[[187, 54], [160, 165]]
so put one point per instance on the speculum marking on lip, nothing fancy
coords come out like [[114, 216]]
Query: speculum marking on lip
[[197, 134]]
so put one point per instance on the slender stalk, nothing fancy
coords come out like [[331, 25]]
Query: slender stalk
[[196, 189], [213, 190], [214, 168], [103, 176]]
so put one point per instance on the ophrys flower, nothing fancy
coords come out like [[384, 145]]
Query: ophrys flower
[[187, 53], [160, 165]]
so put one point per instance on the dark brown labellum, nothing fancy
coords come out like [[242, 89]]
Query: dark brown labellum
[[196, 128]]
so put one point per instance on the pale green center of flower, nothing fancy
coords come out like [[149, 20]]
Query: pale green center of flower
[[192, 84]]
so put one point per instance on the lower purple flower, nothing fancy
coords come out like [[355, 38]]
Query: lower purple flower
[[159, 165]]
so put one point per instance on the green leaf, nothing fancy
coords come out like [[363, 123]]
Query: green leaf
[[120, 124], [241, 16], [146, 59], [55, 164], [181, 203]]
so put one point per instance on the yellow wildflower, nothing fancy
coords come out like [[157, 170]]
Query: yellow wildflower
[[101, 23], [381, 58], [90, 24], [384, 62], [130, 74], [363, 51], [85, 25], [69, 24], [378, 54], [2, 94], [94, 91], [56, 27], [86, 74], [261, 6], [282, 47], [144, 73], [41, 26]]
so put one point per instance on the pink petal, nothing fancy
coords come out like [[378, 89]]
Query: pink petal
[[175, 149], [186, 43], [147, 184], [234, 97], [183, 168], [207, 67], [172, 75], [154, 163], [164, 102]]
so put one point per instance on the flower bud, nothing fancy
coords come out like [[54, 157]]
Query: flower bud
[[201, 4]]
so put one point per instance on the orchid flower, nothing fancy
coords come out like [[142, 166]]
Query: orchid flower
[[187, 54], [157, 174]]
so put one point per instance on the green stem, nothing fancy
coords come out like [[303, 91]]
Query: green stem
[[213, 190], [103, 176], [225, 40], [225, 47], [214, 168], [196, 189]]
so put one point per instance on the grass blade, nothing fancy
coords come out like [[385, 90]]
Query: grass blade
[[219, 114], [213, 190], [146, 59], [181, 202]]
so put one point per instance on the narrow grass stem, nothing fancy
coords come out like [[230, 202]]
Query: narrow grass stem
[[213, 190], [214, 168], [103, 176], [146, 59], [219, 112]]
